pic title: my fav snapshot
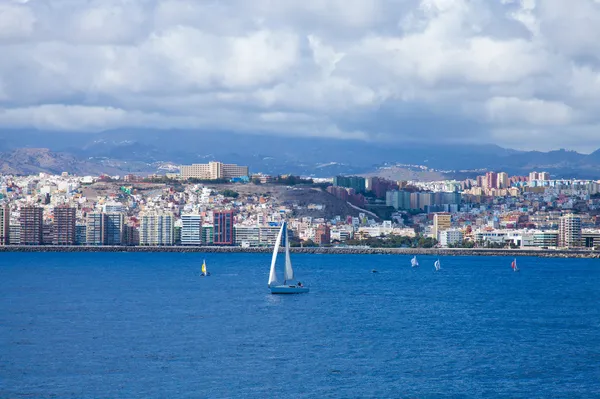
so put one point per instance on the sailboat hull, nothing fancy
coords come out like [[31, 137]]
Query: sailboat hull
[[288, 289]]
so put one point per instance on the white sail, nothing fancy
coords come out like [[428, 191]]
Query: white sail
[[414, 262], [437, 264], [288, 274], [273, 274]]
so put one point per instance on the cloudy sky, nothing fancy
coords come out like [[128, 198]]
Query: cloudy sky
[[519, 73]]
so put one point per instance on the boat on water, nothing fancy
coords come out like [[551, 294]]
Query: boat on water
[[514, 266], [204, 273], [374, 271], [414, 262], [437, 265], [288, 272]]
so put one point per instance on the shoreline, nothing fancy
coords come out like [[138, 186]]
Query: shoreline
[[540, 253]]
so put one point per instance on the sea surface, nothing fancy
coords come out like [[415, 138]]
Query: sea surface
[[146, 325]]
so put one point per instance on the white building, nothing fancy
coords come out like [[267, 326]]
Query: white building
[[156, 228], [213, 171], [450, 237], [191, 229]]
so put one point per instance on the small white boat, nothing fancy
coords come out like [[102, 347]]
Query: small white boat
[[204, 273], [414, 262], [514, 266], [288, 272], [437, 265]]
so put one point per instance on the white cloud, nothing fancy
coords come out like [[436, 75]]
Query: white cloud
[[512, 110], [342, 68]]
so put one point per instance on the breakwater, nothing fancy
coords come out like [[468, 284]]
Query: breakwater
[[316, 250]]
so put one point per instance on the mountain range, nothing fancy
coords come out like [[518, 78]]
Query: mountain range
[[151, 151]]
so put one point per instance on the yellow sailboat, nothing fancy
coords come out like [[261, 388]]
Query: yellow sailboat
[[204, 272]]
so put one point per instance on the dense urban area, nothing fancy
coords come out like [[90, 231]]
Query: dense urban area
[[218, 204]]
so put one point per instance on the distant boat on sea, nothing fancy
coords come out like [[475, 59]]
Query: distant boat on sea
[[437, 265], [514, 266], [414, 262], [374, 271], [288, 272], [204, 273]]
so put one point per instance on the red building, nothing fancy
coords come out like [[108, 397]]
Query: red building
[[323, 235], [223, 227]]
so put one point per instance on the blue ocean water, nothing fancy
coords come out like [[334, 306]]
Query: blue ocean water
[[131, 325]]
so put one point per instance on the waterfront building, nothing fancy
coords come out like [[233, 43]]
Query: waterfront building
[[569, 231], [450, 237], [4, 225], [441, 222], [64, 225], [32, 229], [213, 171], [14, 234], [545, 239], [94, 228], [256, 236], [208, 234], [191, 229], [131, 235], [156, 228], [113, 228], [323, 235], [80, 234], [223, 227]]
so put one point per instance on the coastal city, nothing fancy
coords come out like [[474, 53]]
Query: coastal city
[[217, 204]]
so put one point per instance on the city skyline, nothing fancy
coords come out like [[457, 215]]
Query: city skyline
[[403, 71]]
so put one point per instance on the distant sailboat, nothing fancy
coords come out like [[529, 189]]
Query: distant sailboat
[[288, 272], [414, 262], [436, 264], [514, 266], [204, 272]]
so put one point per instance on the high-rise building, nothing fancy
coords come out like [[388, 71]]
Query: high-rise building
[[503, 180], [4, 225], [533, 176], [14, 234], [113, 228], [32, 228], [191, 229], [491, 180], [213, 171], [80, 230], [223, 227], [569, 231], [156, 228], [355, 182], [64, 225], [441, 222], [398, 199], [131, 235], [208, 234], [94, 232], [544, 176]]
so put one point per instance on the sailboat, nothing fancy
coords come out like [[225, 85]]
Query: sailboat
[[437, 265], [514, 266], [204, 272], [288, 272], [414, 262]]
